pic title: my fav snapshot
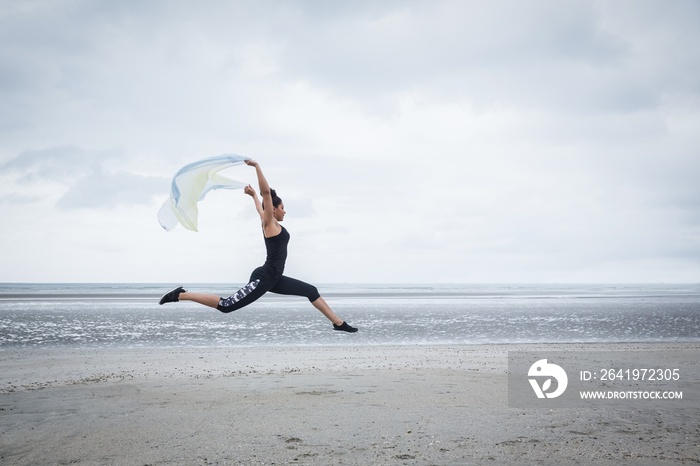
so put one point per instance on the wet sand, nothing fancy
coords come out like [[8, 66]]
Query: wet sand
[[313, 405]]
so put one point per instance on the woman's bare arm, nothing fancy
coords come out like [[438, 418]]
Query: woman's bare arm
[[258, 206], [269, 224]]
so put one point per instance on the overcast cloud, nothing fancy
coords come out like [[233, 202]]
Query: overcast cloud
[[411, 141]]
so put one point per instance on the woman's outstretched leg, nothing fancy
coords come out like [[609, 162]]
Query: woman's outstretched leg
[[326, 310], [246, 295], [210, 300], [180, 294], [338, 323], [292, 286]]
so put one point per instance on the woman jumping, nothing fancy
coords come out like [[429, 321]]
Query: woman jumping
[[269, 276]]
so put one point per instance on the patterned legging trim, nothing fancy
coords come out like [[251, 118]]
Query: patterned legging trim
[[240, 294]]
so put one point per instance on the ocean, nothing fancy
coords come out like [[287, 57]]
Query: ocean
[[128, 315]]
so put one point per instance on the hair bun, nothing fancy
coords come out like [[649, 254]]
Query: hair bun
[[273, 193]]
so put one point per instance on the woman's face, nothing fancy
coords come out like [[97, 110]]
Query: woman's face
[[279, 212]]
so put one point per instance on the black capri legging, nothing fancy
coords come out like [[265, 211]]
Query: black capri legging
[[261, 281]]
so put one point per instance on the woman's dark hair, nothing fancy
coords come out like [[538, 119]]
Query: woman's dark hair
[[276, 201]]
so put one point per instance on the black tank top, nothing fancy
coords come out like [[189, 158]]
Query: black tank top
[[276, 247]]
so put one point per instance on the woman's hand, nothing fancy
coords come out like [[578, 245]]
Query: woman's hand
[[251, 163], [249, 191]]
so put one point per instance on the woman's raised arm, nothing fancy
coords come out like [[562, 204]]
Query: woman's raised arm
[[258, 206], [270, 225]]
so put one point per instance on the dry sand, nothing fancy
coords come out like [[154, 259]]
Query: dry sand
[[312, 405]]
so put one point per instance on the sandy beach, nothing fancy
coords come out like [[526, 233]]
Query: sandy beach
[[313, 405]]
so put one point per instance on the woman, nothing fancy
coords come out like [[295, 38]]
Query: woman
[[269, 276]]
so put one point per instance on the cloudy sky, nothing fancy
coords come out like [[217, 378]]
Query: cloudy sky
[[411, 141]]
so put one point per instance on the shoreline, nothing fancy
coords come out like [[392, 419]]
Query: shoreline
[[432, 404]]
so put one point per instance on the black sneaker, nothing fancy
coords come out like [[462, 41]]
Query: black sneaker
[[172, 296], [344, 327]]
